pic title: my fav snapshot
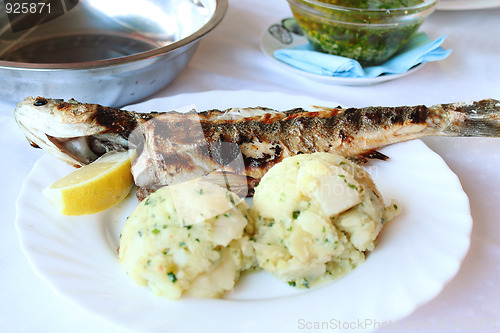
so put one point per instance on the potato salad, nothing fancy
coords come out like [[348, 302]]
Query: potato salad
[[189, 238], [316, 216]]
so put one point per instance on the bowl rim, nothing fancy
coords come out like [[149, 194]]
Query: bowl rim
[[215, 19], [424, 4], [398, 17]]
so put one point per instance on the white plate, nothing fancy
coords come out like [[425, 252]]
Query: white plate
[[418, 253], [269, 44], [467, 4]]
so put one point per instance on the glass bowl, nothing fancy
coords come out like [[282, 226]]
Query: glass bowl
[[370, 32]]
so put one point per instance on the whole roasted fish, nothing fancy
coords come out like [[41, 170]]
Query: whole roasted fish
[[240, 143]]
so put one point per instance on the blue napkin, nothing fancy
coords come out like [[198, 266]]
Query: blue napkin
[[419, 49]]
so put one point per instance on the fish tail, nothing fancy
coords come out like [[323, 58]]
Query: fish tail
[[474, 119]]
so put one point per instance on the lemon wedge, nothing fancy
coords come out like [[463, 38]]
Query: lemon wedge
[[93, 187]]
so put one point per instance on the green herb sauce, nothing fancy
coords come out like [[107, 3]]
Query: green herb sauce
[[339, 32]]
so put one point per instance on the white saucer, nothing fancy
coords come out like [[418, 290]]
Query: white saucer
[[270, 43]]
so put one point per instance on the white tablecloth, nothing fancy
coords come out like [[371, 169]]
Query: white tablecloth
[[230, 58]]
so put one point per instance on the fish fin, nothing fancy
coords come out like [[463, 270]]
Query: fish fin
[[475, 119], [369, 155], [33, 144]]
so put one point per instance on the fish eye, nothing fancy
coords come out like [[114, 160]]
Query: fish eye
[[39, 101]]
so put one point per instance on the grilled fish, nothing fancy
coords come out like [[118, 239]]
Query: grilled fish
[[239, 143]]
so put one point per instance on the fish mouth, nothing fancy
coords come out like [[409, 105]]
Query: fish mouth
[[86, 149]]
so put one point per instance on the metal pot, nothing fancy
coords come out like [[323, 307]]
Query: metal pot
[[111, 52]]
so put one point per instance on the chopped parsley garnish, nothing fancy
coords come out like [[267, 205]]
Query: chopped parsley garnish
[[172, 277], [352, 186]]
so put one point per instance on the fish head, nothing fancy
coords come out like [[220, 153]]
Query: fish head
[[69, 130]]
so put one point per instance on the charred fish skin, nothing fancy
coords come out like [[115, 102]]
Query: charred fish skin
[[178, 146]]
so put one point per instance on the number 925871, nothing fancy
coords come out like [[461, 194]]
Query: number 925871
[[27, 7]]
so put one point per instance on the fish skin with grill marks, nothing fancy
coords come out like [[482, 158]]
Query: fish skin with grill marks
[[240, 144]]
